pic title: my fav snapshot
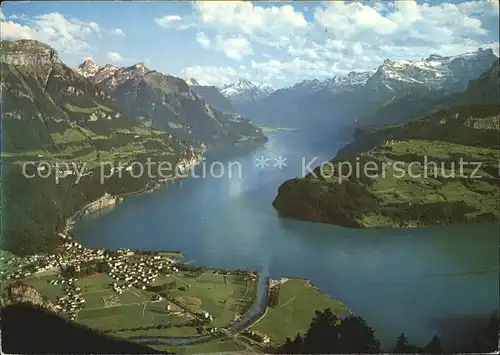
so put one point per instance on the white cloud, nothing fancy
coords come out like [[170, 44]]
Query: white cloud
[[174, 22], [250, 18], [64, 34], [118, 32], [95, 27], [12, 30], [235, 47], [115, 57], [203, 40], [488, 8], [261, 24]]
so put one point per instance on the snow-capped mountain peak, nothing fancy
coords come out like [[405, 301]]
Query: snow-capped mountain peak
[[87, 68], [336, 83], [245, 90], [267, 88], [436, 71]]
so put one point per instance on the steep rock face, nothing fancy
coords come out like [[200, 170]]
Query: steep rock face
[[170, 105], [28, 53], [21, 293]]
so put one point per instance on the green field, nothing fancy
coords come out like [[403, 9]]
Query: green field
[[223, 296], [210, 292], [134, 314], [298, 301], [41, 284], [95, 283], [121, 317]]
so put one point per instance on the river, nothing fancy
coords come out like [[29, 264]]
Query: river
[[418, 281]]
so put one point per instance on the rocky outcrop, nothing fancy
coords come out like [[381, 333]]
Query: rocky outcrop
[[105, 201], [22, 293], [28, 53]]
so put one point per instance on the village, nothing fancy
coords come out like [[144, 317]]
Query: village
[[128, 272], [127, 268]]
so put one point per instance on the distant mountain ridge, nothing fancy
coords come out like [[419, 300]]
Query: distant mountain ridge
[[434, 84], [385, 96], [168, 103], [337, 83], [452, 73]]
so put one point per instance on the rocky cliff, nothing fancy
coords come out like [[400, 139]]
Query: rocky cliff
[[22, 293]]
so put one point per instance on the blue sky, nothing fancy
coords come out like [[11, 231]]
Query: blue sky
[[280, 43]]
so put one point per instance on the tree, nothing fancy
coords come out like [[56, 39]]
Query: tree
[[274, 295], [355, 336], [328, 335], [402, 345], [434, 346], [322, 336], [292, 346]]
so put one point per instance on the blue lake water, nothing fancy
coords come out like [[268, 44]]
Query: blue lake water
[[417, 281]]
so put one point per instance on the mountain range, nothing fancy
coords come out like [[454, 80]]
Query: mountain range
[[392, 94], [168, 103]]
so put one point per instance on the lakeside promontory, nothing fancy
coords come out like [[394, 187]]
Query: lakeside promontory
[[439, 169]]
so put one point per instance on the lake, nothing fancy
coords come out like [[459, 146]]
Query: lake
[[418, 281]]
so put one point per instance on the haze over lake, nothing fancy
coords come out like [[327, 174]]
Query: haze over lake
[[399, 280]]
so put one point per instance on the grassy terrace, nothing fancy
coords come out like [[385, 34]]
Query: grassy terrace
[[298, 301], [225, 297]]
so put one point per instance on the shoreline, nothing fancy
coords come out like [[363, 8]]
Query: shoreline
[[84, 211], [148, 189]]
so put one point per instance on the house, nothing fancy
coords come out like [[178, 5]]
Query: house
[[258, 336]]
